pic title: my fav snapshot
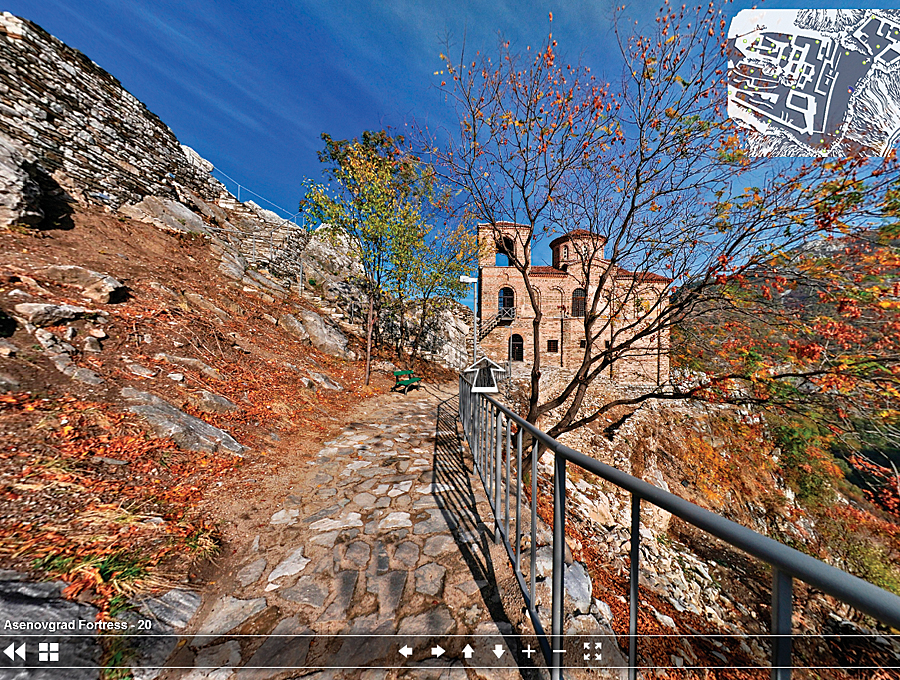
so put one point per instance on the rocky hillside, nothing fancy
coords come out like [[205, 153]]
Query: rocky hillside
[[728, 460], [165, 350], [71, 135]]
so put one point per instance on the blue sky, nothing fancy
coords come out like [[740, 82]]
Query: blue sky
[[252, 85]]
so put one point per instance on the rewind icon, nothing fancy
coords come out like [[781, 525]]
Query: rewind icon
[[12, 652]]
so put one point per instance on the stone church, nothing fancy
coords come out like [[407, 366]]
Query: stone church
[[506, 316]]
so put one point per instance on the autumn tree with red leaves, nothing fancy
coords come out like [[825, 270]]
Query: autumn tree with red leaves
[[779, 272]]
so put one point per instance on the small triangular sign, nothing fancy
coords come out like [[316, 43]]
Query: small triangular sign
[[483, 375]]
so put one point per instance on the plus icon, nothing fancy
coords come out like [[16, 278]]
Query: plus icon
[[529, 651]]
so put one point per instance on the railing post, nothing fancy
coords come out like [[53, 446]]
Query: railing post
[[782, 604], [476, 429], [633, 592], [508, 452], [534, 500], [559, 563], [489, 452], [519, 500], [498, 467]]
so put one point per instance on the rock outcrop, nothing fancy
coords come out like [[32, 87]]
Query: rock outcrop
[[19, 193], [325, 337], [43, 314], [187, 431], [95, 286], [78, 123]]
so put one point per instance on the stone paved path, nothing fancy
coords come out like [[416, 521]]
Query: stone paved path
[[390, 535]]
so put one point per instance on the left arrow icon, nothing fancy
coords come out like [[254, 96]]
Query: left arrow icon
[[406, 651], [20, 652], [10, 651]]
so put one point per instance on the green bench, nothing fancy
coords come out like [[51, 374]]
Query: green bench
[[405, 380]]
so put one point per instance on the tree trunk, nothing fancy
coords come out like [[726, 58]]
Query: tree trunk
[[420, 332], [369, 336], [399, 349]]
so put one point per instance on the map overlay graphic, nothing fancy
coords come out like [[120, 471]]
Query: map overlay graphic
[[816, 82]]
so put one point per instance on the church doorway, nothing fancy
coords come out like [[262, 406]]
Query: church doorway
[[517, 348]]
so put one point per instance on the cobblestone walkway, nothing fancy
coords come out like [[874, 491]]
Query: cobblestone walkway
[[391, 535]]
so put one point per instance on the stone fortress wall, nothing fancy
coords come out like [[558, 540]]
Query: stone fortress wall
[[70, 133], [77, 122]]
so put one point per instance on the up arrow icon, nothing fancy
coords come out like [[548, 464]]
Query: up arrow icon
[[468, 651]]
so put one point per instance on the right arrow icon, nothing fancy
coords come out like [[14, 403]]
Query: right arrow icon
[[468, 651]]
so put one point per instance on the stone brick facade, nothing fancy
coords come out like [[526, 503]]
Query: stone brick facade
[[507, 317], [80, 126]]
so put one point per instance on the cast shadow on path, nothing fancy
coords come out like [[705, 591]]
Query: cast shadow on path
[[464, 505]]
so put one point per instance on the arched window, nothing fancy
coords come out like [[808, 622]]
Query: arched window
[[578, 299], [506, 299], [506, 249], [565, 252], [517, 348]]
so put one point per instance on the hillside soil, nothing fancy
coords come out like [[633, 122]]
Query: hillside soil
[[88, 494]]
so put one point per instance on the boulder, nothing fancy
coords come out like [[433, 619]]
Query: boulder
[[187, 431], [8, 383], [165, 213], [210, 210], [199, 302], [292, 325], [656, 519], [598, 510], [23, 600], [95, 285], [324, 337], [42, 314], [7, 349], [211, 402], [19, 193], [196, 364], [578, 586], [325, 381]]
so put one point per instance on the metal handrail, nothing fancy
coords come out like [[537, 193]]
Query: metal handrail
[[503, 314], [483, 423]]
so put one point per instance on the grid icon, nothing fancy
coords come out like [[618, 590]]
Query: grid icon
[[48, 651]]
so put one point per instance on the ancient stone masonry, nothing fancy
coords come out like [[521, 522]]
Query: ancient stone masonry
[[79, 125], [69, 132], [507, 318]]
